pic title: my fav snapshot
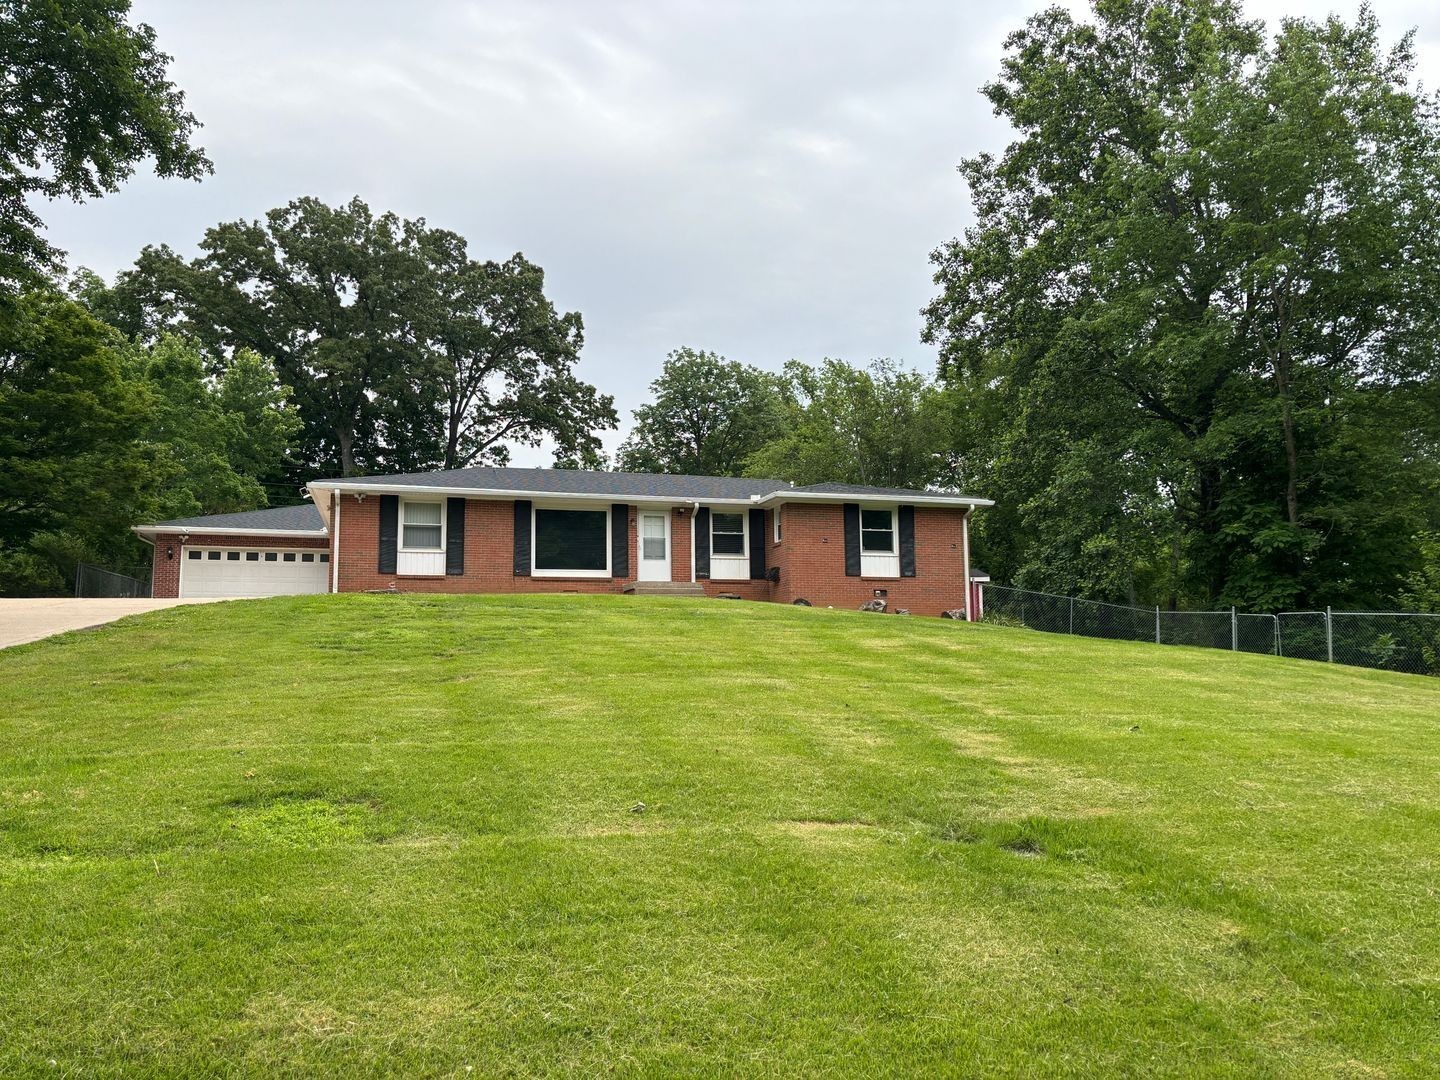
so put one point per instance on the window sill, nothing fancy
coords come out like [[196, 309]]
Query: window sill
[[572, 575]]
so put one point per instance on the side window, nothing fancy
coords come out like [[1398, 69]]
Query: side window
[[727, 534], [877, 532]]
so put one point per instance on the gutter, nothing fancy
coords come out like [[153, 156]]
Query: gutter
[[653, 500], [953, 501], [154, 530], [506, 494]]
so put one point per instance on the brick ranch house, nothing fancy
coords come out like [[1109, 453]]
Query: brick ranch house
[[557, 530]]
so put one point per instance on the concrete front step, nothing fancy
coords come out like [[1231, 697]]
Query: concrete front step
[[665, 588]]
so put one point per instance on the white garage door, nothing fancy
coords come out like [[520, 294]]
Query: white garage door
[[208, 571]]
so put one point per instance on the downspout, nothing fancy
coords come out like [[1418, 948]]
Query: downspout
[[335, 541], [694, 510], [965, 560]]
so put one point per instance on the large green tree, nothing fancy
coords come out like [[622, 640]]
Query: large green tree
[[84, 96], [1199, 305], [882, 426], [707, 416], [403, 353], [73, 474], [219, 439]]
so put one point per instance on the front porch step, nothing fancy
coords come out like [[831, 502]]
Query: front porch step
[[665, 588]]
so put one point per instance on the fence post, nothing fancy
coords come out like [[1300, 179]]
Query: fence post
[[77, 578], [1329, 637], [1279, 645], [1234, 630], [1072, 615], [1157, 624]]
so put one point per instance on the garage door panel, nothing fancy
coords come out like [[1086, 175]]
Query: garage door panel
[[207, 571]]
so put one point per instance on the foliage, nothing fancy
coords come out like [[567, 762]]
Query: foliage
[[86, 97], [707, 416], [869, 846], [217, 439], [73, 474], [403, 353], [882, 426], [1421, 589], [1198, 310], [97, 434]]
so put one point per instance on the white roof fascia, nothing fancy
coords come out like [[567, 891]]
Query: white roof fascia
[[200, 530], [534, 496], [953, 501]]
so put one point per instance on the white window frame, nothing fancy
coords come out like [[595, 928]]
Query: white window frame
[[609, 553], [777, 513], [894, 551], [744, 534], [444, 525]]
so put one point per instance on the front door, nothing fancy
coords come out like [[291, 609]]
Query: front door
[[654, 545]]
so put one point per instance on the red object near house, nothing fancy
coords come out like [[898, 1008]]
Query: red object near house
[[557, 530]]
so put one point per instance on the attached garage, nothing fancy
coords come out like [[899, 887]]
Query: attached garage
[[276, 552], [247, 571]]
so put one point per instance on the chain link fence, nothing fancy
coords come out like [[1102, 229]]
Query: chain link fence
[[96, 581], [1389, 640]]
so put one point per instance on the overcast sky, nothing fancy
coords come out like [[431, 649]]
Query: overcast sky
[[761, 179]]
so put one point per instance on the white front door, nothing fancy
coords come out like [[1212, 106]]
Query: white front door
[[654, 545]]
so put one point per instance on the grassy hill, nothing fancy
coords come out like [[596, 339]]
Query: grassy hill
[[372, 833]]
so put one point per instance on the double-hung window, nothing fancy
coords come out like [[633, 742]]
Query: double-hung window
[[877, 532], [727, 534], [421, 526]]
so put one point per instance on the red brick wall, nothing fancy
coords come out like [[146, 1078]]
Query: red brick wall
[[750, 590], [682, 520], [165, 572], [811, 558], [489, 555]]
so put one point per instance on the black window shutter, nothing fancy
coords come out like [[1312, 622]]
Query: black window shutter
[[454, 536], [619, 540], [907, 541], [389, 532], [757, 545], [522, 537], [852, 539], [702, 542]]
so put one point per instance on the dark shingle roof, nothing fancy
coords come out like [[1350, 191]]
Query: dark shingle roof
[[577, 482], [302, 518], [619, 484]]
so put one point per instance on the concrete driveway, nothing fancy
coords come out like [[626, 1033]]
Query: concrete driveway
[[31, 620]]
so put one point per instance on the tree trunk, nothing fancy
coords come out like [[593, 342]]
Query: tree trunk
[[1287, 423], [346, 439]]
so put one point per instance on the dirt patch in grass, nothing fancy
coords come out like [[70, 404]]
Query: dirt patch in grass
[[815, 829]]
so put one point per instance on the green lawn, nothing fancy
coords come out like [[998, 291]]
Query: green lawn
[[373, 834]]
